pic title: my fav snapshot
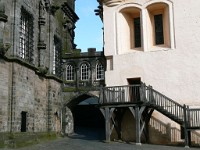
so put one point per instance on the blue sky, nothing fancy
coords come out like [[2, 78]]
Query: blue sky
[[88, 32]]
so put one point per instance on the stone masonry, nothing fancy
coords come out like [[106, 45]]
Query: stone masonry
[[33, 36]]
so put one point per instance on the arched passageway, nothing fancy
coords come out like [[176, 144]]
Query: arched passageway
[[88, 119]]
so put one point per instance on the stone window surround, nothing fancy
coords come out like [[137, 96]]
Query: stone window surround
[[147, 41], [56, 58], [84, 71], [26, 36], [70, 74], [99, 71]]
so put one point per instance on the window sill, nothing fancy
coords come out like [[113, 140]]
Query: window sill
[[159, 48]]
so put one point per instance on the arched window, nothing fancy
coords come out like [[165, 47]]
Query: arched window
[[130, 24], [99, 71], [159, 25], [84, 71], [70, 72]]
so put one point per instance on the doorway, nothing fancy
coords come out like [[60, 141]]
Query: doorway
[[23, 121], [134, 81], [134, 89]]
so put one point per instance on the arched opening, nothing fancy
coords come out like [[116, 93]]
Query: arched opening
[[130, 29], [88, 119], [159, 25]]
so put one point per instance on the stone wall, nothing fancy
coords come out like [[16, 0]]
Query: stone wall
[[4, 95], [38, 96], [30, 72]]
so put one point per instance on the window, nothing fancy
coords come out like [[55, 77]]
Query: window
[[129, 37], [158, 21], [26, 36], [147, 27], [70, 72], [159, 31], [23, 121], [137, 32], [84, 71], [57, 57], [99, 71]]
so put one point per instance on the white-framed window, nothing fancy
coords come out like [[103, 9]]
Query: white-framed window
[[26, 36], [84, 71], [69, 72], [99, 71]]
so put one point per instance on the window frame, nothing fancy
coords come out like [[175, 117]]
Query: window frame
[[126, 29], [70, 72], [26, 42], [152, 11], [123, 36], [99, 71], [56, 62], [85, 71]]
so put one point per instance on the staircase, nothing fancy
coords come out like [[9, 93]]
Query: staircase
[[189, 118], [163, 104], [142, 95]]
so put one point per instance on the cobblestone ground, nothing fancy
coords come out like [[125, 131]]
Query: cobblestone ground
[[90, 141]]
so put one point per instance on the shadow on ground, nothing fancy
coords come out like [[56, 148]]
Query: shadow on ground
[[88, 133]]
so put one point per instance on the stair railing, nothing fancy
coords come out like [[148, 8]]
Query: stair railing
[[120, 94], [164, 104], [142, 93], [193, 118]]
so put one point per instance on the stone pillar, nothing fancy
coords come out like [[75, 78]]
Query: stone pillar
[[69, 122], [93, 72]]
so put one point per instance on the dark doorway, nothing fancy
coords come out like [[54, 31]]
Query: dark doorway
[[134, 81], [23, 121], [134, 89]]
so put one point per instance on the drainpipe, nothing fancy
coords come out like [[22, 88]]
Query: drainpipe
[[48, 113], [12, 70]]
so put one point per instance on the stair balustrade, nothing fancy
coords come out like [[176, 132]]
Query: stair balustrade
[[134, 94]]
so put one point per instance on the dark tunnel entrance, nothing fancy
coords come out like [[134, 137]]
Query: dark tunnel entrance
[[88, 119]]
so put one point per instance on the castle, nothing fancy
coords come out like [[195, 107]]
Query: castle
[[147, 76]]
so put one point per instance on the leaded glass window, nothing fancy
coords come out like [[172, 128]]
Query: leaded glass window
[[57, 57], [70, 72], [99, 71], [26, 36], [84, 71]]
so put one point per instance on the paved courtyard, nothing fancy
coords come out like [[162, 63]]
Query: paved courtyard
[[90, 141]]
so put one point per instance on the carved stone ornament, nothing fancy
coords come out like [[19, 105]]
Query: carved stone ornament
[[4, 48], [111, 3]]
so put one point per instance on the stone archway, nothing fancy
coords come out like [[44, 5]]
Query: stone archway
[[82, 114]]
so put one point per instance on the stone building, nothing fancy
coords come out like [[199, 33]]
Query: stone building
[[34, 34], [83, 76], [154, 42]]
